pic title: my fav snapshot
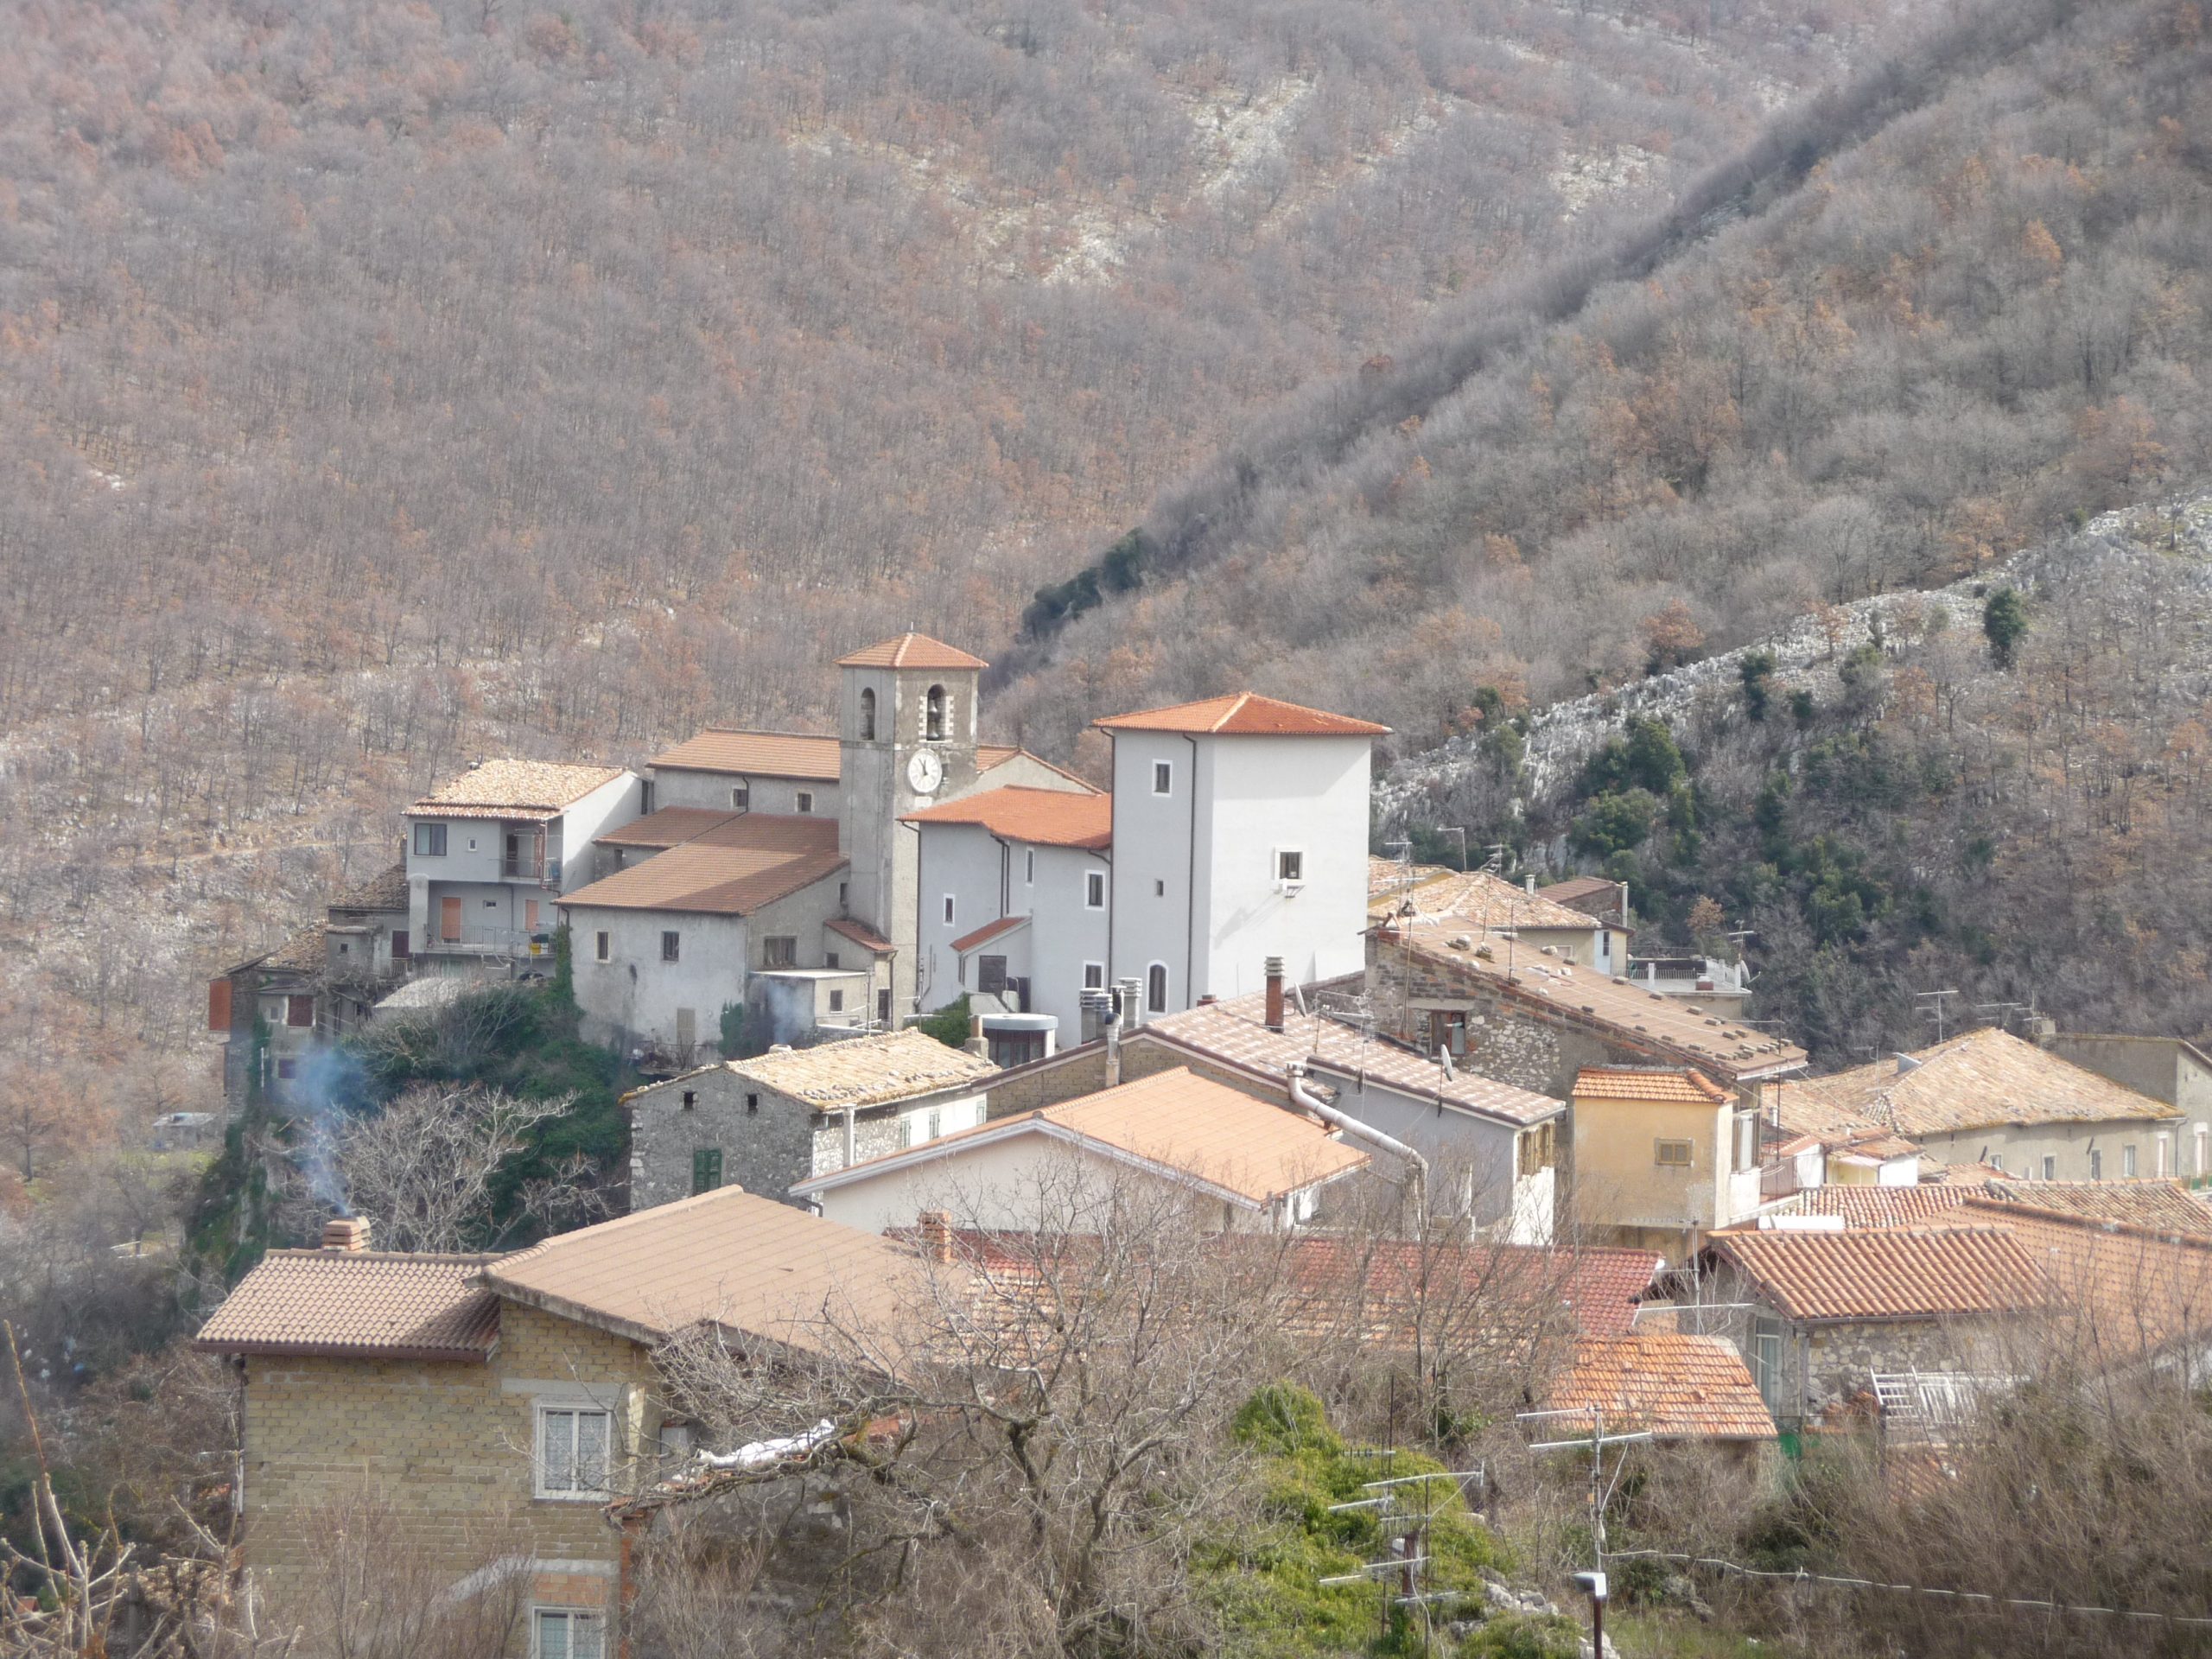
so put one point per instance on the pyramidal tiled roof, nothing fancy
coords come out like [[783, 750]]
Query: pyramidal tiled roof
[[1244, 714], [911, 650]]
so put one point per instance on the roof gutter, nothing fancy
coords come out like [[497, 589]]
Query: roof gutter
[[1305, 1100]]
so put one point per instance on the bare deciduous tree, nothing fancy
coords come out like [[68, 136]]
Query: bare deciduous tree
[[423, 1168]]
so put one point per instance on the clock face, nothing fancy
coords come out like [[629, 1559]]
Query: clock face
[[924, 771]]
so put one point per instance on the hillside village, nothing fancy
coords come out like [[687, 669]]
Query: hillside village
[[1192, 994]]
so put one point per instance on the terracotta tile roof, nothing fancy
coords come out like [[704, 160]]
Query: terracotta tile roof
[[866, 1070], [1687, 1086], [386, 891], [862, 935], [1047, 817], [358, 1304], [1663, 1026], [1923, 1205], [731, 868], [803, 755], [1244, 714], [1478, 902], [727, 1257], [1879, 1147], [1173, 1121], [1236, 1031], [988, 931], [2133, 1292], [671, 826], [1596, 1289], [1672, 1385], [512, 789], [1985, 1079], [911, 651], [1881, 1275]]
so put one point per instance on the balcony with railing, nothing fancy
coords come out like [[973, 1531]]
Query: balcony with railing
[[512, 943]]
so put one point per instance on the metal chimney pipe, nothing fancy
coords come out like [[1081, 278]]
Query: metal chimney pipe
[[1274, 992]]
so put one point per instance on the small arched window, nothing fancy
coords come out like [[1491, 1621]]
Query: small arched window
[[933, 720], [1155, 989], [867, 714]]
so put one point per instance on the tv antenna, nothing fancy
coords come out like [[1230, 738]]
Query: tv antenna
[[1932, 1008]]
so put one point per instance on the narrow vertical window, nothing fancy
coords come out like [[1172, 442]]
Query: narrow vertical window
[[1155, 997], [868, 715], [933, 721]]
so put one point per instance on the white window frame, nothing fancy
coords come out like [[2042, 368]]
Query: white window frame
[[2050, 1168], [429, 840], [2162, 1154], [1158, 1004], [803, 802], [1093, 975], [741, 798], [541, 1410], [2127, 1162], [1094, 881], [2096, 1164], [1283, 881], [570, 1616], [1163, 777], [2203, 1149]]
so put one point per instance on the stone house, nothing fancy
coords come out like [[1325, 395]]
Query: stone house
[[1989, 1097], [1520, 919], [1678, 1388], [1819, 1316], [2165, 1068], [778, 1118], [496, 1405], [1263, 1165], [1535, 1018]]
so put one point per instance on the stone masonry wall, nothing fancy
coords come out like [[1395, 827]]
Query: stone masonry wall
[[449, 1446], [763, 1151]]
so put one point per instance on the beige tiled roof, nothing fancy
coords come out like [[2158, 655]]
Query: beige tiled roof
[[1479, 901], [1687, 1086], [1236, 1031], [1243, 713], [1887, 1274], [512, 789], [911, 651], [803, 755], [386, 891], [358, 1304], [1985, 1079], [1047, 817], [748, 1264], [1171, 1119], [1925, 1205], [732, 868], [306, 952], [1578, 890], [866, 1070], [1665, 1025], [1671, 1385]]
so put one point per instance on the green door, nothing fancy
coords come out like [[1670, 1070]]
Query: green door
[[706, 1169]]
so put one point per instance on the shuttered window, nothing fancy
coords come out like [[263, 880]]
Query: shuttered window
[[706, 1169]]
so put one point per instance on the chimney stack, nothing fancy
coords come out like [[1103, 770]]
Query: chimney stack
[[977, 1044], [1274, 992], [937, 1235], [1529, 882], [345, 1233], [1110, 1017]]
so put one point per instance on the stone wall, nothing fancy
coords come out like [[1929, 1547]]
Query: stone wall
[[449, 1446], [764, 1148]]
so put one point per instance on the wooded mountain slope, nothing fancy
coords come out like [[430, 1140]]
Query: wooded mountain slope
[[384, 382], [1968, 301]]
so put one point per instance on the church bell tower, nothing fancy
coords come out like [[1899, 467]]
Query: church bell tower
[[906, 728]]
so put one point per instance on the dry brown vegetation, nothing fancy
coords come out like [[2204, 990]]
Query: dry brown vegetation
[[389, 383]]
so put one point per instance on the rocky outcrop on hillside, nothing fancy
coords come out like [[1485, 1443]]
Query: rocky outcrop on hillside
[[1811, 654]]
